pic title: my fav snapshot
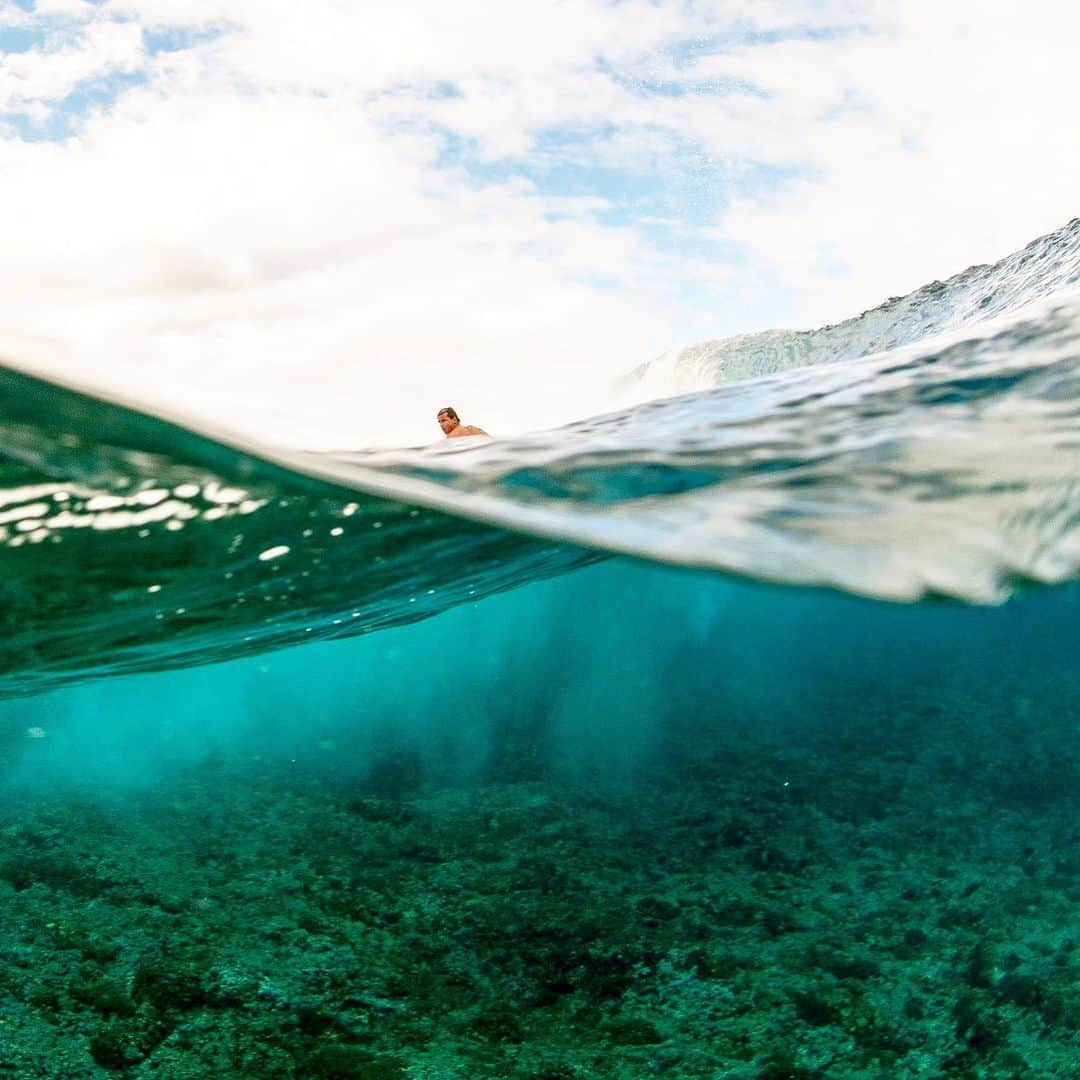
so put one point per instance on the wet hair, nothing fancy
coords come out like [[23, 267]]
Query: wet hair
[[449, 411]]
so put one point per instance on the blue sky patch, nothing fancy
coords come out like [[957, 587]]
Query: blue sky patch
[[177, 38], [20, 39], [90, 96]]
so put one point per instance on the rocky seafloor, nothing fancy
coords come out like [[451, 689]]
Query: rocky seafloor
[[894, 898]]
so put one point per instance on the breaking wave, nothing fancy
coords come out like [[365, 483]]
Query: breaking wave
[[927, 448]]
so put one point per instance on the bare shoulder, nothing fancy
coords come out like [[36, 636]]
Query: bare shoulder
[[471, 429]]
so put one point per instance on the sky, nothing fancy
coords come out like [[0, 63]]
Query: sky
[[318, 223]]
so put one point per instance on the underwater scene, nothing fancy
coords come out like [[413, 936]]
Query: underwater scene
[[730, 734]]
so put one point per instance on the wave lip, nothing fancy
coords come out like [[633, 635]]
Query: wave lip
[[1043, 268]]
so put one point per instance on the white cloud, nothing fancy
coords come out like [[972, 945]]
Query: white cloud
[[184, 249], [936, 142], [49, 74], [272, 229]]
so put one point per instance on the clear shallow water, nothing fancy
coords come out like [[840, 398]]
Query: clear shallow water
[[440, 782], [584, 676], [625, 819]]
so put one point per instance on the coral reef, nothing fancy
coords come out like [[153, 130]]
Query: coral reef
[[744, 909]]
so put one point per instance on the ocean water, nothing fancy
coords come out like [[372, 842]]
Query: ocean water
[[730, 734]]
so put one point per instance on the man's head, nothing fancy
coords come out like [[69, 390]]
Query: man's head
[[448, 419]]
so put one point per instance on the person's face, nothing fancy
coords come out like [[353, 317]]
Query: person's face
[[446, 422]]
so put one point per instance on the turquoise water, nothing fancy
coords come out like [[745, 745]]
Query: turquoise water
[[596, 669], [426, 764], [629, 822]]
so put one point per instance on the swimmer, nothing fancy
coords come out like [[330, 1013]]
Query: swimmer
[[452, 426]]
